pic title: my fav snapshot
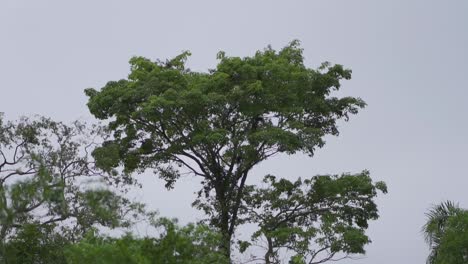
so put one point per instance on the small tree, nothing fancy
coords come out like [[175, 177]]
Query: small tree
[[219, 125], [48, 183], [314, 219]]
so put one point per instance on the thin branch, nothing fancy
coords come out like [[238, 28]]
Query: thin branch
[[177, 159]]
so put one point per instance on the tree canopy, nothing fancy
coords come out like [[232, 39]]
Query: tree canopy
[[219, 124], [315, 220]]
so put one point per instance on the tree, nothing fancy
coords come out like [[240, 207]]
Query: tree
[[220, 124], [313, 219], [49, 185], [446, 232]]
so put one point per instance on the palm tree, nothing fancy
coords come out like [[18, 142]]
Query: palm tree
[[435, 227]]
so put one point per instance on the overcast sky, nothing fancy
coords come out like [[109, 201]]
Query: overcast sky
[[409, 62]]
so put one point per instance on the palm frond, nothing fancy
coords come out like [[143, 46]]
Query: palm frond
[[434, 228]]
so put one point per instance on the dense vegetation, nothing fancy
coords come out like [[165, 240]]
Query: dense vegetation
[[62, 186]]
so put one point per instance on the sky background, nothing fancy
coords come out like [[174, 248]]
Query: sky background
[[409, 62]]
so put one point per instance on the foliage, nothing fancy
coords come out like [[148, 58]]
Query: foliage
[[49, 184], [194, 244], [314, 219], [453, 248], [219, 125], [36, 244], [446, 232]]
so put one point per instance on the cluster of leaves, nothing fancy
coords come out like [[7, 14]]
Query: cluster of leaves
[[35, 244], [314, 219], [446, 232], [196, 244]]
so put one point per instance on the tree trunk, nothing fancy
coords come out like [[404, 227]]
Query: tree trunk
[[225, 243], [227, 222], [269, 253]]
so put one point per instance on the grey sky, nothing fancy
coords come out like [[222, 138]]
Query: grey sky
[[409, 62]]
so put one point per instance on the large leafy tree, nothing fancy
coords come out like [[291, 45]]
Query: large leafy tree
[[315, 220], [219, 124], [446, 232], [49, 185]]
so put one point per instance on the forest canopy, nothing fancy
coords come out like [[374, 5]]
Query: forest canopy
[[60, 184]]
